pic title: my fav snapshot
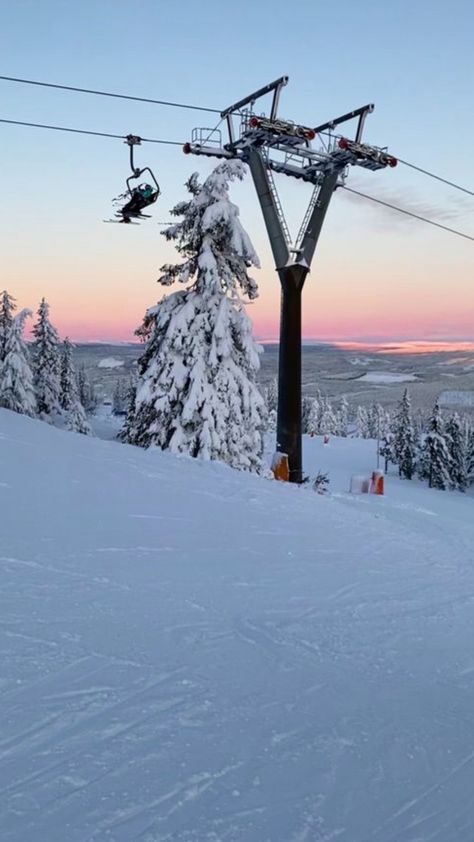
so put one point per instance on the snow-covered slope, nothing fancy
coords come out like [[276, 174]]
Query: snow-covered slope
[[190, 653]]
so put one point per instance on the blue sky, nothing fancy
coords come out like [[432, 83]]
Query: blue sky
[[374, 274]]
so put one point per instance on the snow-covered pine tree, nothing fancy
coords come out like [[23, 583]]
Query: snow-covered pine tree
[[328, 424], [457, 441], [314, 413], [404, 440], [7, 308], [271, 395], [342, 416], [83, 386], [435, 458], [16, 377], [306, 405], [374, 421], [75, 414], [197, 391], [470, 455], [87, 393], [68, 380], [126, 433], [362, 423], [77, 419], [386, 448], [46, 363], [120, 397]]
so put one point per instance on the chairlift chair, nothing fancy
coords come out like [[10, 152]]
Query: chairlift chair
[[142, 195]]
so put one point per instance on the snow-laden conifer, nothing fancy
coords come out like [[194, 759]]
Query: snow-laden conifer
[[7, 308], [126, 433], [328, 424], [306, 405], [46, 363], [314, 414], [362, 423], [87, 394], [457, 441], [120, 397], [76, 419], [375, 417], [342, 417], [386, 448], [404, 441], [435, 456], [16, 377], [271, 395], [73, 410], [470, 455], [197, 390], [68, 382]]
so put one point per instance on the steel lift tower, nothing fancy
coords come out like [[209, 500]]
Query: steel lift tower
[[269, 144]]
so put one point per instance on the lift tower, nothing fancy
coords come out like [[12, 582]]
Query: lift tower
[[269, 144]]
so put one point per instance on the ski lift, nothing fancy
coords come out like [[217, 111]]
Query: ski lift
[[140, 197]]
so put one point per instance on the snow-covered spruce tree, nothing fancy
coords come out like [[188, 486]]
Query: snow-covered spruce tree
[[87, 394], [374, 421], [306, 405], [457, 441], [120, 397], [342, 416], [404, 440], [328, 424], [362, 423], [386, 448], [16, 377], [126, 433], [197, 389], [7, 308], [271, 395], [73, 410], [435, 457], [77, 419], [68, 380], [470, 456], [314, 415], [46, 363]]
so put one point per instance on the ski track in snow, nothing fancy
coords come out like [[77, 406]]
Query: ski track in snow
[[196, 655]]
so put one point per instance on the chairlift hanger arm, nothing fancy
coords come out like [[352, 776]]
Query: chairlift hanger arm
[[133, 140]]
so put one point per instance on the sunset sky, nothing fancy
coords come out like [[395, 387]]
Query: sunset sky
[[376, 275]]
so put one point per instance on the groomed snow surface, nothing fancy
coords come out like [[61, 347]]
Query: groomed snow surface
[[387, 377], [109, 362], [192, 653]]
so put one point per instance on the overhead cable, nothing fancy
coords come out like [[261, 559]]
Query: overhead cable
[[437, 177], [87, 131], [110, 94], [409, 213]]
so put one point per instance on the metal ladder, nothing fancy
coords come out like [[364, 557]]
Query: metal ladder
[[276, 199], [309, 210]]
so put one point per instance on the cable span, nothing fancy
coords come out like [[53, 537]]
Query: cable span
[[109, 94], [437, 177], [409, 213], [86, 131]]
